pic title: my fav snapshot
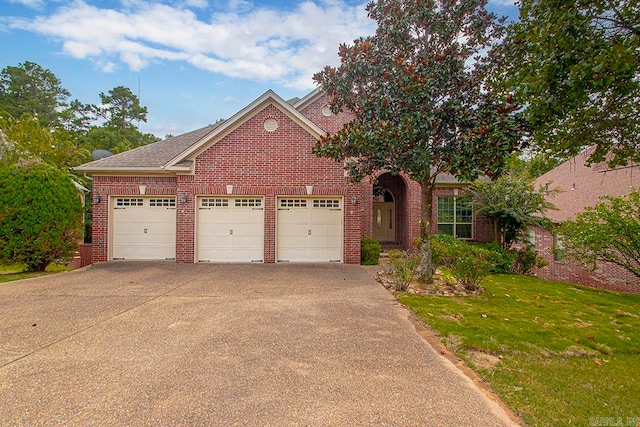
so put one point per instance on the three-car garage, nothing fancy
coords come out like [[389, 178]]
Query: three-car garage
[[230, 229]]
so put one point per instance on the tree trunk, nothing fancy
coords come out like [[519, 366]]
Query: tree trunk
[[426, 219]]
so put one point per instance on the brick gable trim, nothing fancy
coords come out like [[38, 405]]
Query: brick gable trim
[[269, 98]]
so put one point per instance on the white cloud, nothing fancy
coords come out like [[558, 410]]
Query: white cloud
[[34, 4], [284, 46]]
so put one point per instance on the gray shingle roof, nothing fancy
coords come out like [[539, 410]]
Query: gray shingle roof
[[153, 155]]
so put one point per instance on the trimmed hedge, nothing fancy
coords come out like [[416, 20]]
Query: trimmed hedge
[[370, 251]]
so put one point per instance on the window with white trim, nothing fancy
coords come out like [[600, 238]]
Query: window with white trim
[[558, 247], [531, 239], [293, 203], [455, 216], [124, 202], [213, 202]]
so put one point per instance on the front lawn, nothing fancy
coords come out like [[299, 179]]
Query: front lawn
[[12, 272], [557, 354]]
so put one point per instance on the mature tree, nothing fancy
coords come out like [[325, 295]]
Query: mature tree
[[30, 89], [78, 117], [40, 215], [533, 166], [121, 108], [114, 139], [576, 65], [25, 139], [422, 105], [609, 231], [512, 204]]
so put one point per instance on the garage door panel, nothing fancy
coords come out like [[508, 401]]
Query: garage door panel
[[309, 230], [230, 229], [144, 228]]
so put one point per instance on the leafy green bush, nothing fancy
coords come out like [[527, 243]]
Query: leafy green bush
[[445, 249], [525, 259], [471, 266], [404, 265], [40, 215], [370, 251], [501, 260]]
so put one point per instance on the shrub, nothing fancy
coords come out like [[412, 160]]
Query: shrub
[[471, 266], [40, 215], [404, 265], [445, 249], [526, 259], [501, 260], [370, 251]]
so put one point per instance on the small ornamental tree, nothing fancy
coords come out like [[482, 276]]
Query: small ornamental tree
[[419, 90], [608, 231], [511, 203], [40, 215]]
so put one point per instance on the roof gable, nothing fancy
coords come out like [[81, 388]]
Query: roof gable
[[267, 99]]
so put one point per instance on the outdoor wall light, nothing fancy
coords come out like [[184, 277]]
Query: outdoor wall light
[[184, 197], [96, 198], [353, 199]]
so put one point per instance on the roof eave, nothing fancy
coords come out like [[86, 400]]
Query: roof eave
[[115, 170]]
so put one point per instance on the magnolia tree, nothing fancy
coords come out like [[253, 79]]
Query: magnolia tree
[[419, 89]]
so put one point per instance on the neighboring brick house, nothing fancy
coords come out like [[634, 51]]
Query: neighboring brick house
[[250, 189], [578, 186]]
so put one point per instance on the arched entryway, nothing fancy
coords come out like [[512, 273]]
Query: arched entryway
[[389, 211], [384, 215]]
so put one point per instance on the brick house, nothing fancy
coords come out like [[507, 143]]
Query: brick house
[[249, 189], [580, 186]]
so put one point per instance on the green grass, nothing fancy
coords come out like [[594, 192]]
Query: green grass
[[557, 354], [9, 273]]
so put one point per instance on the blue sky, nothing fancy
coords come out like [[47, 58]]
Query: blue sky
[[192, 61]]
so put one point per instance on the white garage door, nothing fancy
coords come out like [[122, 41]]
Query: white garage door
[[230, 229], [309, 229], [144, 228]]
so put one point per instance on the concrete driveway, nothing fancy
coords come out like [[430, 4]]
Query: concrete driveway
[[187, 344]]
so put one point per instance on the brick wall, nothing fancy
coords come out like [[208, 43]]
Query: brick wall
[[109, 186], [607, 276], [269, 164], [332, 123]]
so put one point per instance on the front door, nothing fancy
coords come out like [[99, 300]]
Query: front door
[[384, 221]]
